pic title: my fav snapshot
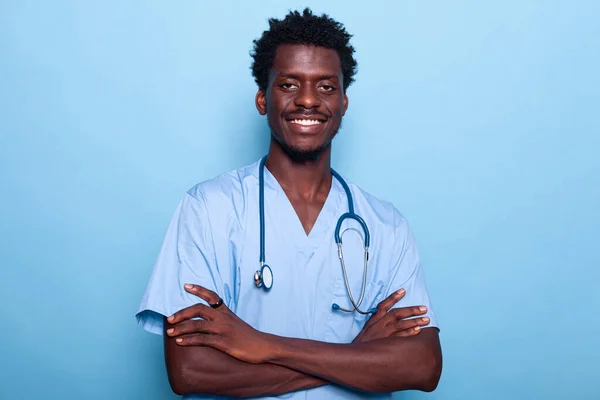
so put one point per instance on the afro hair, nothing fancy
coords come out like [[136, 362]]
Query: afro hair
[[303, 29]]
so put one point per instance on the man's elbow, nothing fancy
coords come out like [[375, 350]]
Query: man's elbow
[[179, 388], [179, 385], [431, 373], [424, 377], [184, 380]]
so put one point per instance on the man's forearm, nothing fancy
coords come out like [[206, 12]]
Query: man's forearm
[[206, 370], [383, 366]]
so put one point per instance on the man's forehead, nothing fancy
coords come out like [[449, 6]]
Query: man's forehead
[[306, 60]]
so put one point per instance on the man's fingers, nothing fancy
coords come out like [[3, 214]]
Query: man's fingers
[[408, 324], [408, 332], [197, 310], [383, 307], [410, 327], [392, 299], [396, 315], [199, 339], [191, 326], [205, 294], [406, 312]]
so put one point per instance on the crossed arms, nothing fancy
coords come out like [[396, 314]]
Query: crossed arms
[[222, 355]]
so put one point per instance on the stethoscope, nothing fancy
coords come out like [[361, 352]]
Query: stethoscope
[[264, 276]]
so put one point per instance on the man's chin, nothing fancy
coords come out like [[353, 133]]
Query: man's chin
[[304, 154], [301, 154]]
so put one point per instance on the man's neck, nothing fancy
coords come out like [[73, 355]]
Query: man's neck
[[306, 180]]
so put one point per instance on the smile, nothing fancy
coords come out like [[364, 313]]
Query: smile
[[306, 122]]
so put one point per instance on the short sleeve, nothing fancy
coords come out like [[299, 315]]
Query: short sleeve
[[186, 256], [407, 272]]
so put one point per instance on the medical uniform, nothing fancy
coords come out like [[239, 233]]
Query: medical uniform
[[213, 241]]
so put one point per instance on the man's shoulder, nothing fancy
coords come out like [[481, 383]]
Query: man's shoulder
[[224, 187], [384, 211], [385, 222]]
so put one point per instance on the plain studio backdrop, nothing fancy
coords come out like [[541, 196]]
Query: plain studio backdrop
[[478, 120]]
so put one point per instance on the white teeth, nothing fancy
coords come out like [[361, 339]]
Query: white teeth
[[306, 121]]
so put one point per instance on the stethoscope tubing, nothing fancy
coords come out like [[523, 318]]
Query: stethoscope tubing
[[338, 238]]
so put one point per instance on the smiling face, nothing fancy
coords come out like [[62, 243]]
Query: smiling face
[[304, 100]]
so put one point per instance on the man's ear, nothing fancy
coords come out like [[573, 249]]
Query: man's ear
[[345, 104], [261, 102]]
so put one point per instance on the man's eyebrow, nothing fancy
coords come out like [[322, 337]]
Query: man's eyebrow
[[290, 76], [294, 76]]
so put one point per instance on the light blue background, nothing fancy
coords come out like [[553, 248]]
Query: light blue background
[[478, 120]]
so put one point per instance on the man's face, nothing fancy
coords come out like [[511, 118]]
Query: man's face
[[304, 101]]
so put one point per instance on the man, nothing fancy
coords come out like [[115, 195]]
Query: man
[[225, 334]]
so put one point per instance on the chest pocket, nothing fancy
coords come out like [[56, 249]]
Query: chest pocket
[[343, 326]]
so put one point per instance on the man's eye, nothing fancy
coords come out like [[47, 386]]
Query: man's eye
[[287, 86], [327, 88]]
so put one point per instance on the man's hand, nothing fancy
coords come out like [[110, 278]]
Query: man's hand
[[343, 364], [223, 330], [219, 328], [385, 323]]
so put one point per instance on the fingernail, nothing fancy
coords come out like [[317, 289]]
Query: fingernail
[[179, 340], [169, 331], [400, 292], [417, 328], [425, 319], [187, 286], [171, 318], [423, 308]]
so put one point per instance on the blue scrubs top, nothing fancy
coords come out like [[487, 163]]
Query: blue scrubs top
[[213, 241]]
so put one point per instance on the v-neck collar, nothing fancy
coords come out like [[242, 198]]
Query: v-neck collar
[[289, 220]]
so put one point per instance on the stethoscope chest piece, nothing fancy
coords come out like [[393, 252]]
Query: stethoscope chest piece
[[264, 277]]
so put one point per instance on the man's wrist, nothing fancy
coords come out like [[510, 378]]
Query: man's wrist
[[275, 347]]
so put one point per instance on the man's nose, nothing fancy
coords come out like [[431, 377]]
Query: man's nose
[[308, 97]]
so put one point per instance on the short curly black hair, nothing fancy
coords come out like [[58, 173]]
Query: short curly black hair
[[308, 29]]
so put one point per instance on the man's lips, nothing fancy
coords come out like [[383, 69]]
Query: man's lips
[[306, 124], [306, 115], [305, 121]]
